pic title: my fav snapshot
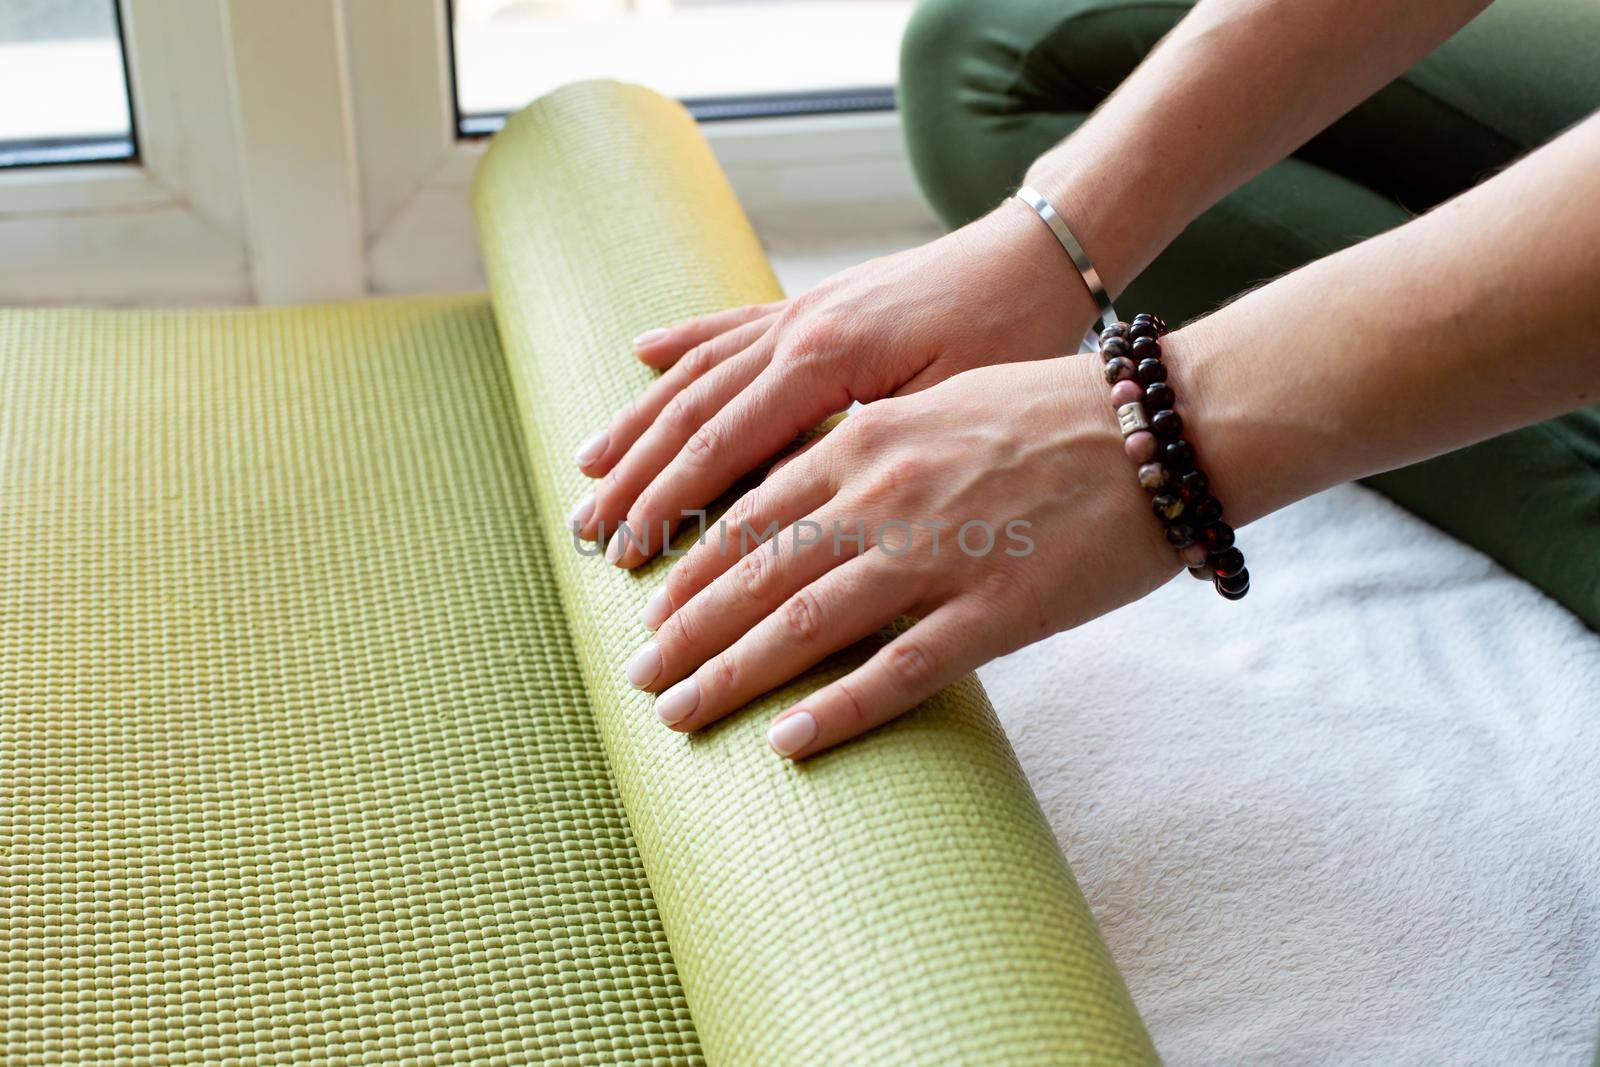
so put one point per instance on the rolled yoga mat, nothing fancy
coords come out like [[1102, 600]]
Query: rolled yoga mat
[[313, 746], [898, 900]]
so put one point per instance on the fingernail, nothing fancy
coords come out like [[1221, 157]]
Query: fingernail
[[580, 513], [656, 610], [679, 702], [614, 549], [593, 448], [792, 733], [645, 665], [649, 337]]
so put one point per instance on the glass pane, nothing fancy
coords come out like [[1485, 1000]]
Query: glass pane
[[63, 86], [510, 51]]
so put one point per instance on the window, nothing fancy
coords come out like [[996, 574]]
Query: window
[[724, 58], [312, 151], [63, 83]]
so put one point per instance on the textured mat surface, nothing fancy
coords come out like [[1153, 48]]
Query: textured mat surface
[[900, 900], [295, 759]]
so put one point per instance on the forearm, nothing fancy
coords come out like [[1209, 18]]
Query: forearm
[[1477, 318], [1235, 87]]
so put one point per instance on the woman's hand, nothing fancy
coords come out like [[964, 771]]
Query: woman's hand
[[997, 508], [741, 384]]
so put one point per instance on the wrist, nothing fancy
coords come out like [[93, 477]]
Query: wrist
[[1122, 212], [1244, 432], [1087, 429], [1033, 278]]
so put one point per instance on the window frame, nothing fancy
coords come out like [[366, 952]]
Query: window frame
[[166, 223], [807, 177]]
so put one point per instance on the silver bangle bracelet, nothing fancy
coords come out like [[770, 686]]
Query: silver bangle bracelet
[[1080, 259]]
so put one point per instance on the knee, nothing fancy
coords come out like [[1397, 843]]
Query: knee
[[937, 26], [938, 35], [985, 85], [938, 107]]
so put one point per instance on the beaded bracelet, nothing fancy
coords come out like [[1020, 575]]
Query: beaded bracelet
[[1151, 427]]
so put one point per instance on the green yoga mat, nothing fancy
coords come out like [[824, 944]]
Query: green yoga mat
[[313, 739]]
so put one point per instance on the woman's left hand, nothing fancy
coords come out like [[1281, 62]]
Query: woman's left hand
[[997, 507]]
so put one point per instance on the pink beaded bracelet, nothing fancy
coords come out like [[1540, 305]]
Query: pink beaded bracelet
[[1152, 436]]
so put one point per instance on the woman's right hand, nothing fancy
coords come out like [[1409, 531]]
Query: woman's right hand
[[739, 385], [996, 509]]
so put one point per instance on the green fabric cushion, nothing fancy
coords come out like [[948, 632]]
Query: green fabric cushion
[[986, 88]]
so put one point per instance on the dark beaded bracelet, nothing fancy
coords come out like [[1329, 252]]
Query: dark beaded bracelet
[[1152, 428], [1206, 510], [1217, 536], [1153, 476], [1117, 368], [1178, 456], [1237, 582]]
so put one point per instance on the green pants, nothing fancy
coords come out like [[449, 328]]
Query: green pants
[[988, 86]]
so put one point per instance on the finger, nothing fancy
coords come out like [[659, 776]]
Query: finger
[[809, 439], [679, 420], [662, 347], [784, 461], [843, 606], [739, 434], [775, 504], [762, 581], [899, 676], [600, 452], [765, 572]]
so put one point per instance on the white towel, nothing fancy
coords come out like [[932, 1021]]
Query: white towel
[[1351, 819]]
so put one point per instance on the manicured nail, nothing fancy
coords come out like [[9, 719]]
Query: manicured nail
[[614, 549], [580, 513], [645, 665], [656, 610], [679, 702], [649, 337], [792, 733], [593, 448]]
